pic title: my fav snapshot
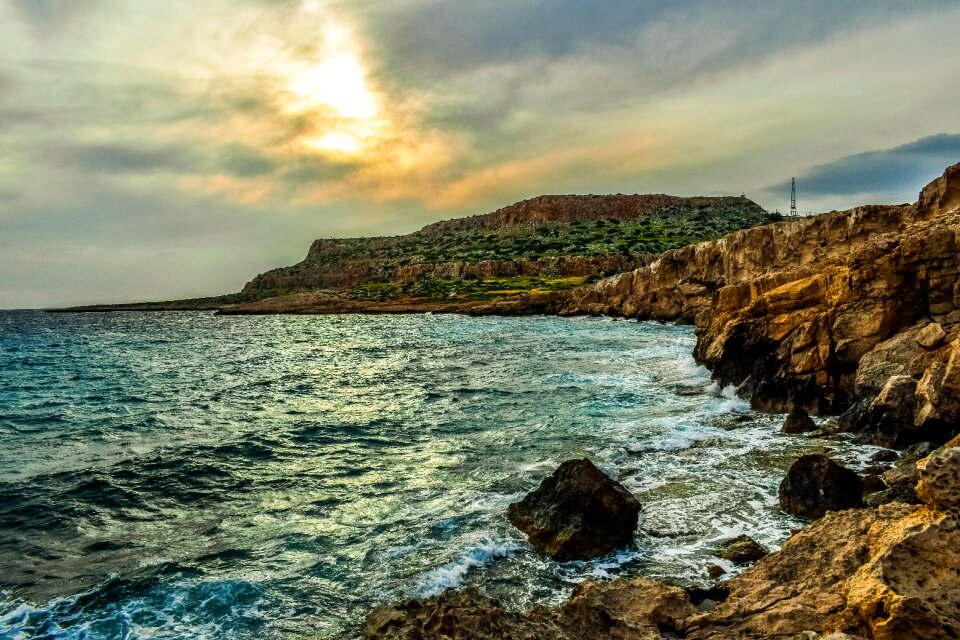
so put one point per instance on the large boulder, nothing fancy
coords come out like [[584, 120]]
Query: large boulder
[[577, 513], [816, 484]]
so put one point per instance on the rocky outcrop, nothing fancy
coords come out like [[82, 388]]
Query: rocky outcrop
[[900, 481], [549, 209], [578, 512], [856, 310], [567, 266], [886, 574], [634, 609], [816, 484]]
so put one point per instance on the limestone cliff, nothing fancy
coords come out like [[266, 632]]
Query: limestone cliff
[[561, 236], [856, 310]]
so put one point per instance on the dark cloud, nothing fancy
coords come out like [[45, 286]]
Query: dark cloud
[[50, 16], [117, 159], [898, 171], [440, 37], [311, 171], [516, 56], [244, 162]]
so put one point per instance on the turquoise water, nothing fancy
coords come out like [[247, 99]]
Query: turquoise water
[[181, 475]]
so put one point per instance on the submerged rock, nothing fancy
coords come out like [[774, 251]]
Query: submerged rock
[[741, 550], [577, 513], [816, 484], [715, 571], [798, 421]]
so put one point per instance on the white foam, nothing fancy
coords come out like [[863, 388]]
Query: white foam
[[453, 573], [732, 403]]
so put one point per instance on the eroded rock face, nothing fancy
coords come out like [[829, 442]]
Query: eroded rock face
[[816, 484], [576, 513], [939, 479], [822, 312], [634, 609], [455, 615]]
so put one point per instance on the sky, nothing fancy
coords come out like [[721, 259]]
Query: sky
[[158, 150]]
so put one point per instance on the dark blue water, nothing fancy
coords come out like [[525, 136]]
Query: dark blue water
[[181, 475]]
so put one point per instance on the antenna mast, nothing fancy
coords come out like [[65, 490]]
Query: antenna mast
[[793, 196]]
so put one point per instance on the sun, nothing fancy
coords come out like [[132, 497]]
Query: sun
[[336, 90], [338, 83]]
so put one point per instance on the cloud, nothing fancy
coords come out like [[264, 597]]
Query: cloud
[[136, 133], [244, 162], [431, 37], [117, 159], [49, 16], [897, 171]]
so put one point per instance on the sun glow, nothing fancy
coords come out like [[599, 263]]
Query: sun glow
[[334, 90], [338, 83]]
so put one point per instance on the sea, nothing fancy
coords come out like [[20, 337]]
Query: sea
[[186, 475]]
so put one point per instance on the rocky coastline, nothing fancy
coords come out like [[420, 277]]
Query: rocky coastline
[[854, 314]]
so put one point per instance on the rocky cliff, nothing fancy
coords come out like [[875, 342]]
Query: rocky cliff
[[855, 311], [558, 236]]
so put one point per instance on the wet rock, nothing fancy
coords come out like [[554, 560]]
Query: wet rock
[[793, 590], [816, 484], [875, 469], [798, 421], [822, 313], [577, 513], [741, 550], [885, 455], [886, 574], [890, 414], [872, 484], [715, 571]]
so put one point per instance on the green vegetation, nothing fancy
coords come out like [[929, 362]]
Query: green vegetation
[[456, 289], [668, 228], [603, 232]]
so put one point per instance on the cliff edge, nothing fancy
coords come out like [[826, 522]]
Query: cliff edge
[[855, 311]]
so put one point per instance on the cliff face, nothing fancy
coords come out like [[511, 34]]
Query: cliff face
[[576, 208], [855, 310], [560, 236]]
